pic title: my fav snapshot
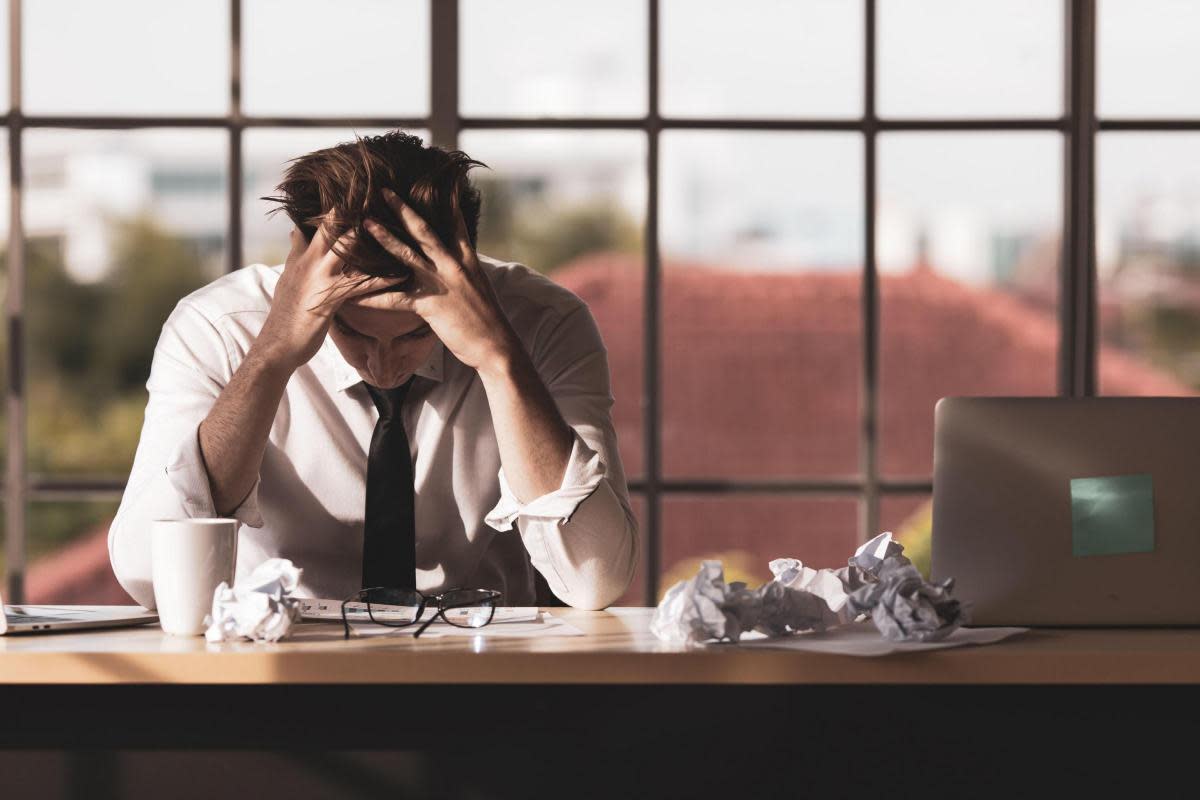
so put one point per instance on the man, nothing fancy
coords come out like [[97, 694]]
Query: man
[[388, 407]]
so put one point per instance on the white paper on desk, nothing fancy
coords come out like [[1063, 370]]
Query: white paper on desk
[[863, 639], [331, 611], [522, 622]]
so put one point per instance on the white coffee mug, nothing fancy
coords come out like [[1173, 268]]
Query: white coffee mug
[[189, 559]]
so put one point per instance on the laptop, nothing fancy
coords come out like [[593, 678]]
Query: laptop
[[1069, 512], [36, 619]]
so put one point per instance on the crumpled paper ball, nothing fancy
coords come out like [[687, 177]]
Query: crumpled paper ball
[[877, 580], [694, 610], [259, 607], [906, 607]]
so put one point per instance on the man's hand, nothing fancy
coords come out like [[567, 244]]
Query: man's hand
[[452, 293], [311, 288]]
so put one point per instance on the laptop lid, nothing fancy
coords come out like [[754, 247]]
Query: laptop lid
[[1055, 511], [35, 618]]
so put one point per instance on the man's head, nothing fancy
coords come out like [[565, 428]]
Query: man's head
[[341, 187]]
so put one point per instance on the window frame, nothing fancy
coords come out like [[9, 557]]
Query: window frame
[[1077, 367]]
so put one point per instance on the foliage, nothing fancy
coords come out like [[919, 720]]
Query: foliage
[[739, 565], [543, 235], [916, 534], [88, 349], [99, 338]]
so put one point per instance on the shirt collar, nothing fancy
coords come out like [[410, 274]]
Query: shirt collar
[[337, 374]]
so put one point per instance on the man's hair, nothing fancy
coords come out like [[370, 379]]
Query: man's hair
[[346, 180]]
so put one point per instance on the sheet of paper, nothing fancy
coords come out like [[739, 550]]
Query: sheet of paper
[[862, 639], [331, 611], [537, 624]]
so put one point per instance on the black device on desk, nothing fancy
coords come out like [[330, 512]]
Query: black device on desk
[[1057, 511]]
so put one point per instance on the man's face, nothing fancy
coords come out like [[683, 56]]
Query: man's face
[[386, 347]]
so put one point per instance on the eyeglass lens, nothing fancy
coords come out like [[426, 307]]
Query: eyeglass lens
[[468, 608]]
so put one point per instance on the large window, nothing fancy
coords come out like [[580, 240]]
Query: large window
[[797, 223]]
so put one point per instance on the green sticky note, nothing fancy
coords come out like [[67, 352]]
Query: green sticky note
[[1112, 515]]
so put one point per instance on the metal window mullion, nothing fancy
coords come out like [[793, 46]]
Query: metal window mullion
[[651, 323], [817, 486], [767, 124], [1164, 124], [235, 137], [869, 397], [125, 121], [1077, 301], [15, 495], [444, 117]]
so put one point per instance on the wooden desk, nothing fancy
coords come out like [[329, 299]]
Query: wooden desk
[[616, 698], [617, 650], [616, 684]]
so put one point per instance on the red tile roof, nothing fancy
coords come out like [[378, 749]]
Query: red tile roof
[[761, 378]]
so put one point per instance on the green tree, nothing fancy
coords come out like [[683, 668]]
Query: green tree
[[90, 346], [519, 224]]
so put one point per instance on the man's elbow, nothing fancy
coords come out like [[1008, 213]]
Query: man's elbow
[[592, 598], [604, 581], [130, 562]]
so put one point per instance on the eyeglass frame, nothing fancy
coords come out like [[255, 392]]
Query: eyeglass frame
[[492, 594]]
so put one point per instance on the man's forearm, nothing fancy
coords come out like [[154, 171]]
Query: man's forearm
[[233, 437], [533, 439]]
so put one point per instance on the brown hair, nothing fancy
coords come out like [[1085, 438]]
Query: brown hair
[[347, 179]]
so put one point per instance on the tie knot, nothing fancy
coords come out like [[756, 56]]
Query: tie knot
[[389, 401]]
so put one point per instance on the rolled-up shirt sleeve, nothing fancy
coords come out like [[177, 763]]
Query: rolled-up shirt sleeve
[[169, 480], [583, 536]]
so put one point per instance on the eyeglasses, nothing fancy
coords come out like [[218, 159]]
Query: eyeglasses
[[398, 608]]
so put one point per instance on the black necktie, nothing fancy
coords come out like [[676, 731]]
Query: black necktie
[[389, 530]]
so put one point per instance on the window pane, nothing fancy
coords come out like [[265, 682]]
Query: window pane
[[910, 518], [762, 256], [68, 554], [126, 57], [549, 58], [1146, 58], [571, 204], [746, 531], [317, 58], [970, 58], [1148, 262], [764, 58], [968, 244], [120, 226], [5, 100], [265, 156]]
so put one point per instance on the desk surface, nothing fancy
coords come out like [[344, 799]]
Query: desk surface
[[618, 649]]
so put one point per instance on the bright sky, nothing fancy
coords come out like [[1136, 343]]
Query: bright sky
[[724, 193]]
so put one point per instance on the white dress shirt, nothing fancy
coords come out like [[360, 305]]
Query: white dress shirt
[[308, 502]]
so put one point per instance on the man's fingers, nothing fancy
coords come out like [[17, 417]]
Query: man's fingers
[[424, 235], [396, 247], [298, 245], [359, 286], [461, 237], [354, 287], [322, 240], [385, 301], [331, 262]]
